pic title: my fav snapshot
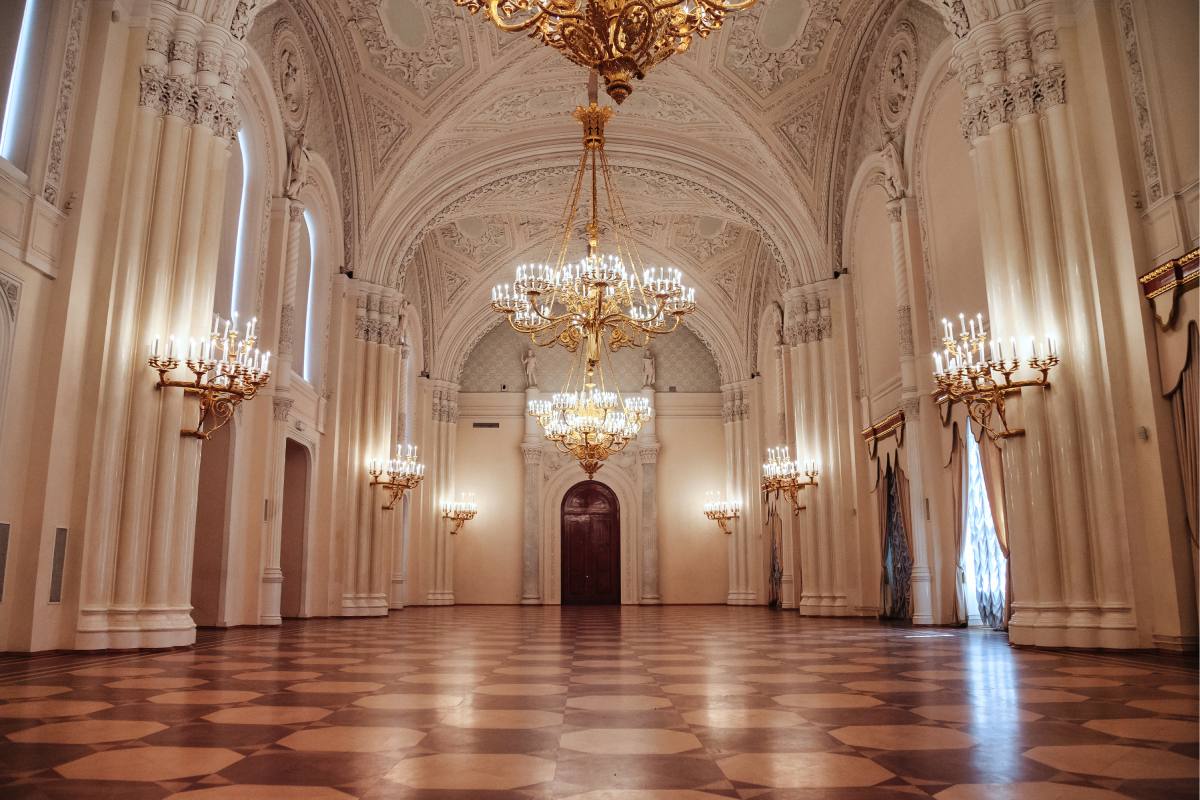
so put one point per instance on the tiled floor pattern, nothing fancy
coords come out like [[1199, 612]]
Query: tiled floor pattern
[[598, 704]]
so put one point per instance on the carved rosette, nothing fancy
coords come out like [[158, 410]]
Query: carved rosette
[[897, 77], [289, 75]]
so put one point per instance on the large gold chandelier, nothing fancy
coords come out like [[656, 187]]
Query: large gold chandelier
[[620, 39], [602, 300], [589, 421]]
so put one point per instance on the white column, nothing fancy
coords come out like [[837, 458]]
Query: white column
[[648, 458], [531, 538], [272, 576], [445, 426]]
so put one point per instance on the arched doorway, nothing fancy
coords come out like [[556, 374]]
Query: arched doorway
[[293, 529], [210, 554], [591, 545]]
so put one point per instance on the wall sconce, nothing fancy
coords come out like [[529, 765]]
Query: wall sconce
[[970, 372], [460, 513], [722, 511], [226, 370], [782, 475], [403, 472]]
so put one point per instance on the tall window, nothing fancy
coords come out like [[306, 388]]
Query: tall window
[[302, 326], [22, 47], [985, 565], [225, 296]]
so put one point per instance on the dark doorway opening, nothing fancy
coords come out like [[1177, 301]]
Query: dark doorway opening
[[591, 545]]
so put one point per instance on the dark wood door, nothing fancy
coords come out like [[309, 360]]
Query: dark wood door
[[591, 546]]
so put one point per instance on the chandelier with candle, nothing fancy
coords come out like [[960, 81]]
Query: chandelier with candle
[[460, 512], [721, 511], [979, 372], [620, 39], [609, 300], [589, 421], [782, 475], [397, 475], [226, 370]]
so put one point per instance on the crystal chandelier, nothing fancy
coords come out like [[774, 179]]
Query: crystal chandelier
[[973, 370], [589, 421], [226, 370], [781, 474], [620, 39], [610, 300], [403, 472]]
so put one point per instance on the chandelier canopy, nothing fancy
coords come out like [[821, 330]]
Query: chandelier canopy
[[620, 39], [610, 300]]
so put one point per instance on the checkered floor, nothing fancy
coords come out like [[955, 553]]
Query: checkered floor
[[598, 704]]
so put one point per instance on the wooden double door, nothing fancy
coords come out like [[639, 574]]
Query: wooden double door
[[591, 545]]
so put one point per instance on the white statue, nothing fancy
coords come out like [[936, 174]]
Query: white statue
[[297, 167], [530, 362], [648, 372]]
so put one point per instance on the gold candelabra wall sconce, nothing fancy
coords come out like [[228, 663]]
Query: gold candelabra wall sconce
[[397, 475], [227, 369], [975, 370], [459, 512], [782, 475], [722, 512]]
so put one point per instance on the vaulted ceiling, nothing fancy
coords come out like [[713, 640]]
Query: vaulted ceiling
[[454, 146]]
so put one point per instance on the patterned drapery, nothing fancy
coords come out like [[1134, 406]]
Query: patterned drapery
[[896, 601]]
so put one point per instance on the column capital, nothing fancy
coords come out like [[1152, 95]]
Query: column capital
[[648, 454], [531, 453]]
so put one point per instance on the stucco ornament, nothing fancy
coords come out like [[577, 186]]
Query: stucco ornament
[[898, 77], [298, 162], [290, 76]]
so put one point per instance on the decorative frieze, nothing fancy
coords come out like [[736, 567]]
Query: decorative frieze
[[62, 109], [1138, 95]]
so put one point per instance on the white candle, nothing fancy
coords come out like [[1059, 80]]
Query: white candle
[[1012, 345], [154, 346], [937, 363]]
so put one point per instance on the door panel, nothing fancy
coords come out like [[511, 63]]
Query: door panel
[[591, 545]]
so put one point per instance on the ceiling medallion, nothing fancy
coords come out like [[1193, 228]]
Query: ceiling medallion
[[620, 39]]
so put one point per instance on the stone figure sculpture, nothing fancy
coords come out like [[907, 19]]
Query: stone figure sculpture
[[530, 362], [648, 370]]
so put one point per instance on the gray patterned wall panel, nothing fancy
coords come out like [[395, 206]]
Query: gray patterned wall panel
[[681, 360]]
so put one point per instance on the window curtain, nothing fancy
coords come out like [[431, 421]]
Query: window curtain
[[957, 466], [1185, 413], [897, 552], [991, 465]]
